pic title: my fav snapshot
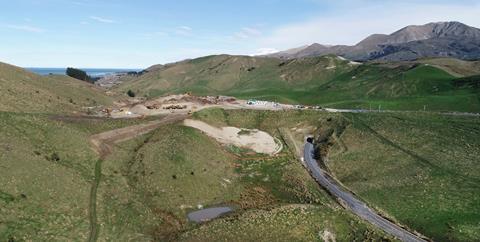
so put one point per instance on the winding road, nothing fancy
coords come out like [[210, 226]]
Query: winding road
[[103, 143], [351, 202]]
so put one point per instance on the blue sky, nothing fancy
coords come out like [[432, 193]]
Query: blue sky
[[140, 33]]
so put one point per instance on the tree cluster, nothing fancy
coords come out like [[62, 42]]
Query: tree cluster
[[79, 74]]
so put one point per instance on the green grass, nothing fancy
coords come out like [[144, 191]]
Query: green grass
[[420, 169], [149, 183], [167, 173], [285, 223], [26, 92], [55, 192], [398, 86], [455, 67], [94, 125], [46, 172], [221, 75]]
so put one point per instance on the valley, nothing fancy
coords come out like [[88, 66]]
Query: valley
[[372, 140], [128, 163]]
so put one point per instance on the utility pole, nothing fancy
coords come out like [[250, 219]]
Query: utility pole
[[379, 107], [424, 108]]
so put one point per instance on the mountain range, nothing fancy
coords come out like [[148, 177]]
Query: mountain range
[[441, 39]]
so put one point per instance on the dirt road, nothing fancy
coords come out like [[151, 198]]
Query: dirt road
[[102, 143]]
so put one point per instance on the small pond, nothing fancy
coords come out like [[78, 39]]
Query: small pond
[[208, 214]]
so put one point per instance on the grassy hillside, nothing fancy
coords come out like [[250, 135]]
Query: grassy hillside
[[407, 87], [422, 170], [46, 171], [228, 75], [328, 81], [455, 67], [149, 184], [154, 181], [419, 169], [23, 91]]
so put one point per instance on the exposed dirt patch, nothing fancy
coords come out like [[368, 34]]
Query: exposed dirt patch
[[76, 119], [179, 104], [256, 140], [327, 236], [170, 227]]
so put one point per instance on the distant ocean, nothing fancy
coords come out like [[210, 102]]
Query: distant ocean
[[94, 72]]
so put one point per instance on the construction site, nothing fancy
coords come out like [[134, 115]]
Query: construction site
[[185, 104], [180, 104]]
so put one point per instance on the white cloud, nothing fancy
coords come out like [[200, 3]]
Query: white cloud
[[265, 51], [102, 20], [241, 35], [251, 31], [351, 26], [184, 30], [247, 32], [26, 28]]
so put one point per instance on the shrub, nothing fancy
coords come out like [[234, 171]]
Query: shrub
[[53, 157], [130, 93]]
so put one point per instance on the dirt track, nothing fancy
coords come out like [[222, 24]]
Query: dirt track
[[102, 143]]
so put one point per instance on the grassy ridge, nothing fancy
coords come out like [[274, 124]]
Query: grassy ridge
[[327, 81], [221, 75], [46, 171], [421, 169], [400, 88], [455, 67], [23, 91], [376, 86]]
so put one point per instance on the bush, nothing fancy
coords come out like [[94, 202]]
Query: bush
[[130, 93], [53, 157]]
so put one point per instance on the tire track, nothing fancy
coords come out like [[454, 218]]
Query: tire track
[[102, 144]]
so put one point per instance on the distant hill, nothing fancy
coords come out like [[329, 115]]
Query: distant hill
[[238, 75], [23, 91], [455, 67], [442, 39], [328, 80]]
